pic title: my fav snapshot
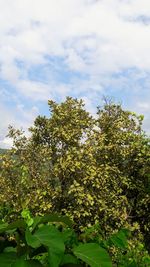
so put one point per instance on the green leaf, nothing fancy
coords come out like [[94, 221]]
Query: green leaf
[[146, 260], [52, 218], [69, 237], [93, 254], [54, 257], [50, 237], [133, 264], [17, 224], [27, 263], [10, 249], [36, 222], [120, 239], [34, 263], [27, 217], [3, 226], [68, 258], [32, 240], [7, 259]]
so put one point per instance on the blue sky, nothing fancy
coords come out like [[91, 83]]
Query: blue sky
[[81, 48]]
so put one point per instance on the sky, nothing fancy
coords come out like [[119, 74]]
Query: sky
[[50, 49]]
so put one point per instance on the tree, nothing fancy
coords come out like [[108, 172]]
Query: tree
[[92, 169]]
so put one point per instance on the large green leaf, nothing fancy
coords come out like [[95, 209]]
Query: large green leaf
[[50, 237], [7, 259], [93, 254]]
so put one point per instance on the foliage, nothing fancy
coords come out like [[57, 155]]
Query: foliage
[[125, 248], [51, 241], [91, 169], [46, 245]]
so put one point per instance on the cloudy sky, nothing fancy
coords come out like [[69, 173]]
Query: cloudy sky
[[50, 49]]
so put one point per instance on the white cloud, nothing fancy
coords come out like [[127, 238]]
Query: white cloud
[[18, 117], [6, 118], [32, 29], [94, 38], [6, 143], [144, 106]]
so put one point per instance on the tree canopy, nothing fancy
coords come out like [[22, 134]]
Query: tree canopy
[[94, 169]]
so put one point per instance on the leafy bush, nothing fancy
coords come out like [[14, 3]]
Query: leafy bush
[[38, 243], [51, 241]]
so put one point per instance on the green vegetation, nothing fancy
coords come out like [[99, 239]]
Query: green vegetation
[[96, 171], [51, 241]]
